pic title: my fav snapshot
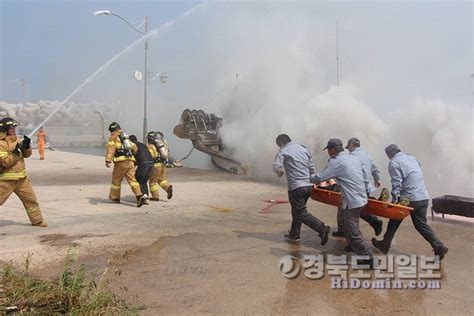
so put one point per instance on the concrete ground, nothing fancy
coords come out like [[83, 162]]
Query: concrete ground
[[210, 250]]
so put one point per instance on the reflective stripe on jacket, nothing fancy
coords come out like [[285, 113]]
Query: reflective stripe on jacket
[[12, 175], [12, 167], [113, 145]]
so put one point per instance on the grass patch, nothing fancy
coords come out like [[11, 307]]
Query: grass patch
[[23, 293]]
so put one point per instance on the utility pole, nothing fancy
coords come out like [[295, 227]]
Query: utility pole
[[472, 86], [145, 127], [145, 73], [23, 90]]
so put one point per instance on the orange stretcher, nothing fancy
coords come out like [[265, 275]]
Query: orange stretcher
[[374, 207]]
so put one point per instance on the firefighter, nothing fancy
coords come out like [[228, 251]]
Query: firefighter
[[13, 176], [41, 141], [120, 151], [159, 151]]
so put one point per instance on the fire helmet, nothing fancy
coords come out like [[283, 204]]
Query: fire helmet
[[114, 126], [6, 123], [151, 136]]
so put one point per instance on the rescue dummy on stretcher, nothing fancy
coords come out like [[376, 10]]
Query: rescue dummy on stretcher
[[327, 192]]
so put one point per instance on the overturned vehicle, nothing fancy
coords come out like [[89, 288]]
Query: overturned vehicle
[[203, 131]]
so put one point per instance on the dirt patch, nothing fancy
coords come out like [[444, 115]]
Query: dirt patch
[[67, 240], [220, 209], [139, 255]]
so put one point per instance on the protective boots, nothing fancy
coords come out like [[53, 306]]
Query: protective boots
[[169, 192], [42, 224]]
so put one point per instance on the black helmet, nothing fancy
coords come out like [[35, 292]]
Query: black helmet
[[151, 136], [160, 133], [6, 123], [114, 126], [133, 138]]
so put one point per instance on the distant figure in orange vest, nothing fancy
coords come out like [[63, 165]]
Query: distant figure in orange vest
[[41, 139]]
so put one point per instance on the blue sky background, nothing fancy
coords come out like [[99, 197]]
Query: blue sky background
[[56, 44], [391, 52]]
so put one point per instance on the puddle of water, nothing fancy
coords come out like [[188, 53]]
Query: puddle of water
[[67, 240]]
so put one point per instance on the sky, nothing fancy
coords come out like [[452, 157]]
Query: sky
[[405, 72], [53, 45]]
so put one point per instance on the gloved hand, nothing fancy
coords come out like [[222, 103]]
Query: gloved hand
[[107, 164], [17, 151], [25, 144], [395, 199]]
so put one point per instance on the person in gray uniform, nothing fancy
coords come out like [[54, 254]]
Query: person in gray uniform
[[353, 145], [407, 182], [349, 173], [296, 162]]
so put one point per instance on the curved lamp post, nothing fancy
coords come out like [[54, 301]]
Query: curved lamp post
[[108, 12]]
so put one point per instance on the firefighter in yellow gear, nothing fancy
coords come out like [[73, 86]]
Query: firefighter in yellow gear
[[120, 151], [13, 178], [158, 148]]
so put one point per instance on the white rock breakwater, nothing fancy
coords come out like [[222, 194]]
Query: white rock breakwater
[[71, 114]]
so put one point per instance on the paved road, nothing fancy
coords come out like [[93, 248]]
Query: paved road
[[210, 249]]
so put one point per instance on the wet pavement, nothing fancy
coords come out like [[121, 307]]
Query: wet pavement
[[211, 249]]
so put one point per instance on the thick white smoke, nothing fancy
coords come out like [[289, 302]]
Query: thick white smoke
[[440, 136], [270, 68], [335, 113], [284, 85]]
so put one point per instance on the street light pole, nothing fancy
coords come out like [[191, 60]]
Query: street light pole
[[145, 127], [108, 12]]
